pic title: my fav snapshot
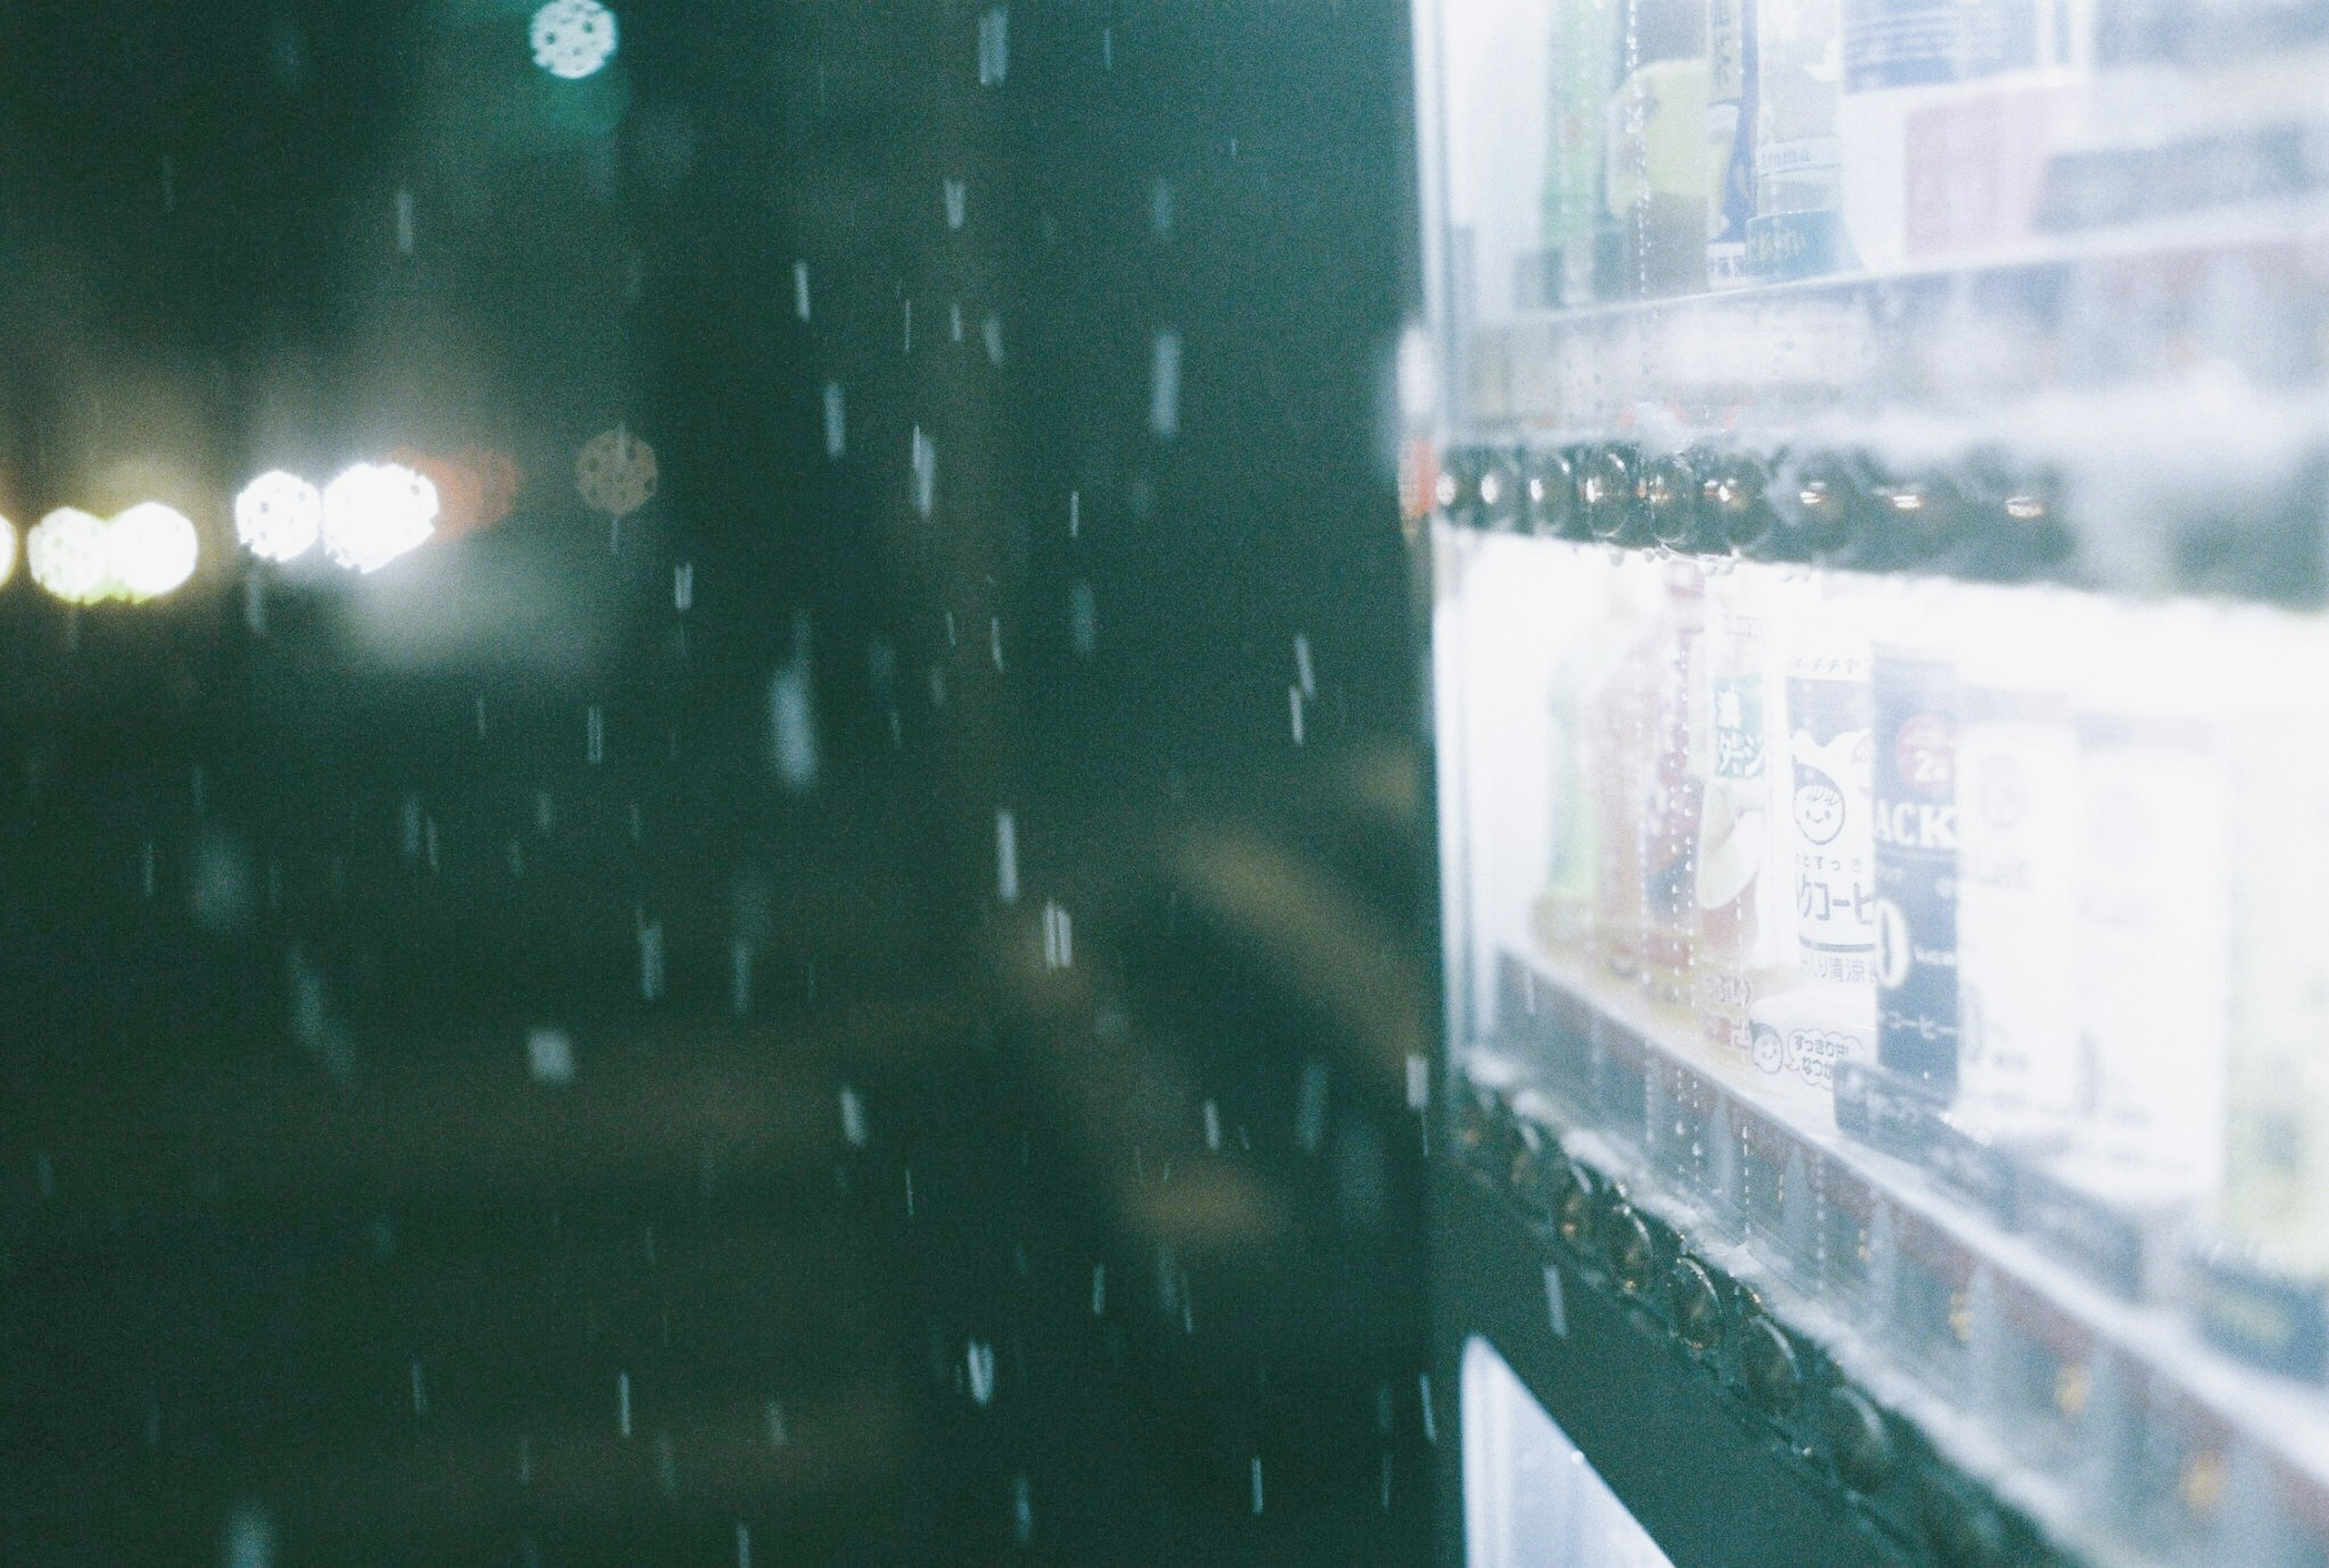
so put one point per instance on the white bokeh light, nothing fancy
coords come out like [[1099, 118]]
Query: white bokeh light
[[279, 516], [8, 549], [572, 39], [153, 549], [375, 512], [68, 555]]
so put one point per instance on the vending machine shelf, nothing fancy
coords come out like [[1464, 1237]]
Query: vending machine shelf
[[2235, 294], [2107, 1420]]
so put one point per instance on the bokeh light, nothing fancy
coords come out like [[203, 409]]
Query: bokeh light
[[572, 39], [68, 555], [616, 472], [153, 548], [375, 512], [476, 487], [279, 516], [8, 549]]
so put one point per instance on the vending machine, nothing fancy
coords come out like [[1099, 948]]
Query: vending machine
[[1872, 458]]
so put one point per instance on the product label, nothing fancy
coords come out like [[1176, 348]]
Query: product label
[[1738, 726], [1807, 1034], [1921, 43], [1975, 169], [1835, 892], [2017, 820], [1581, 49], [1730, 138], [1786, 245], [1916, 841], [1805, 155], [2154, 952]]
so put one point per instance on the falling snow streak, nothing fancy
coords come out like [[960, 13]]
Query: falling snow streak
[[1164, 387], [994, 46], [1007, 857]]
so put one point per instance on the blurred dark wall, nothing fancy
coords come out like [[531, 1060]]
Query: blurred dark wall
[[535, 1055]]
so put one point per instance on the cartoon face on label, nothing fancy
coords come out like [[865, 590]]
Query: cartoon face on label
[[1812, 1053], [1769, 1051], [1819, 806], [1828, 775]]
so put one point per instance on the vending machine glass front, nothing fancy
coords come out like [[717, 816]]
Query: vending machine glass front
[[1875, 457]]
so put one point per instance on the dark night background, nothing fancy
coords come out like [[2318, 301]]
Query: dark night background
[[298, 1264]]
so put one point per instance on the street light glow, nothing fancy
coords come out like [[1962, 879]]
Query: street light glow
[[153, 548], [375, 512], [572, 39], [67, 554], [279, 516]]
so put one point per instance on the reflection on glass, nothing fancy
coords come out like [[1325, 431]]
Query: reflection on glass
[[1529, 1499]]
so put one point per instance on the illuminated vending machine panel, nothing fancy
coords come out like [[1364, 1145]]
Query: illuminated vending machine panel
[[1874, 456]]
